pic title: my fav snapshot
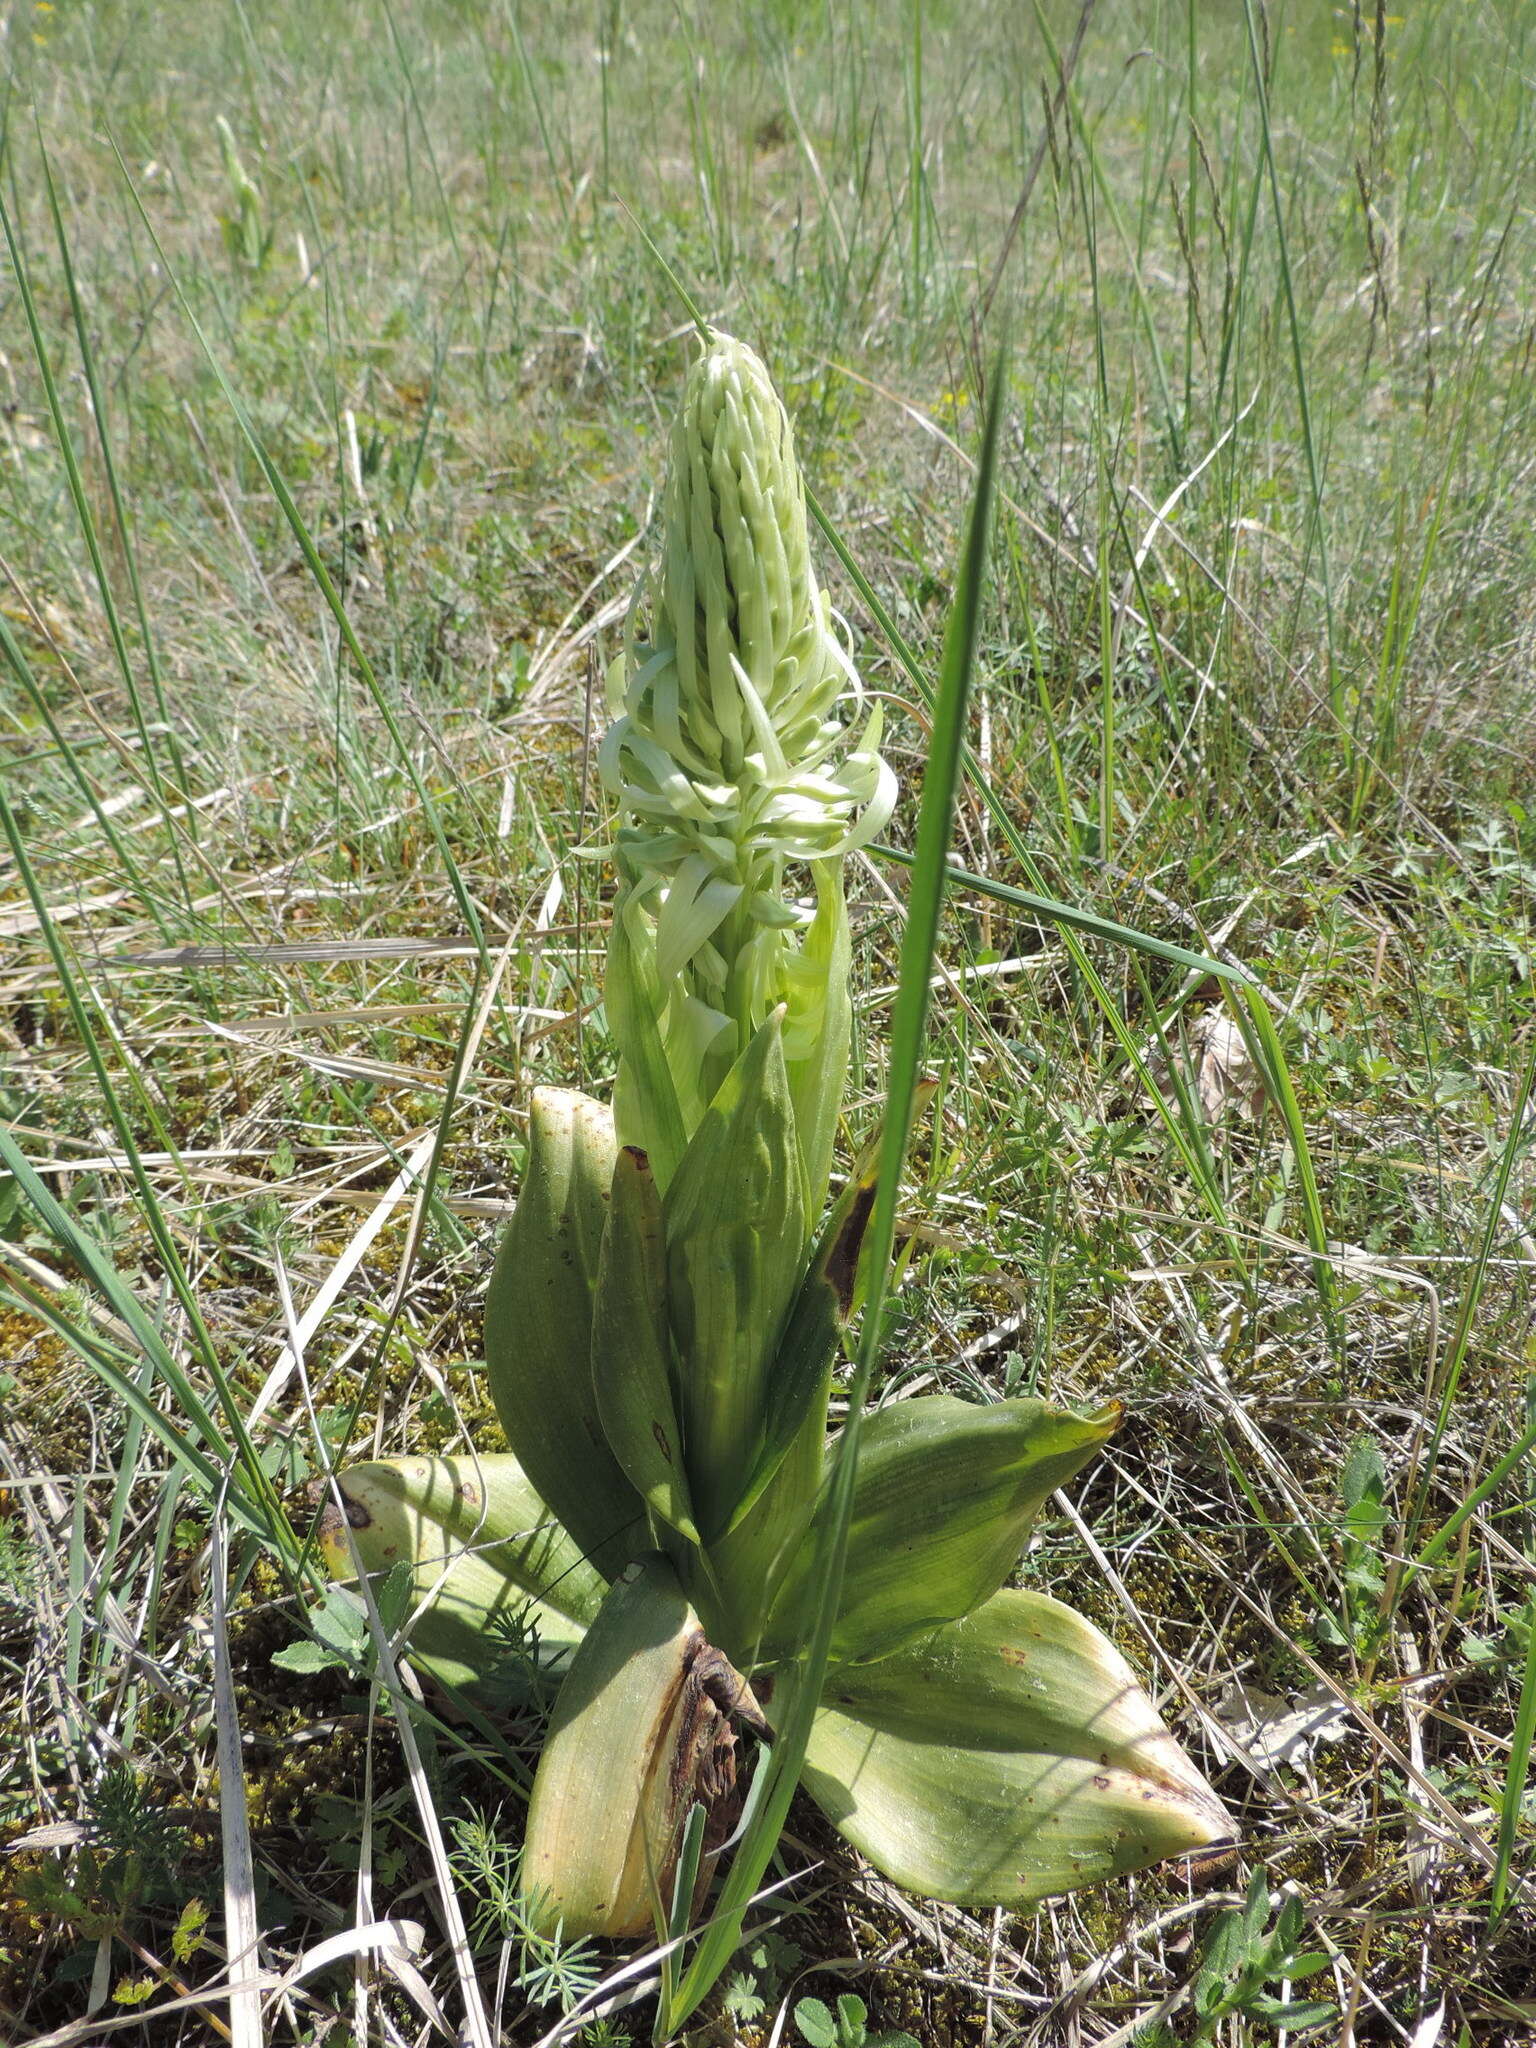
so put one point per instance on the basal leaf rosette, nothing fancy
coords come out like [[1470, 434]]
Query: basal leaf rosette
[[975, 1742]]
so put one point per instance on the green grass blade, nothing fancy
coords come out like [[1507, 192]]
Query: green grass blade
[[1454, 1523], [1105, 192], [37, 699], [1073, 918], [1449, 1380], [1316, 532], [87, 524], [322, 580], [1522, 1744], [114, 490], [114, 1368], [1272, 1064], [275, 1521]]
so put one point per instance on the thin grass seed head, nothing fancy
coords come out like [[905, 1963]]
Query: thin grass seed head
[[727, 757]]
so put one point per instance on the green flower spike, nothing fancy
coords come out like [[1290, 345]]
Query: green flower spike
[[730, 764]]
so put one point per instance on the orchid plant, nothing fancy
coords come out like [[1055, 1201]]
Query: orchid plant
[[664, 1326]]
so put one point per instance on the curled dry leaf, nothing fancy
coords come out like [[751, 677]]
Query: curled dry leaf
[[1280, 1731], [1219, 1069]]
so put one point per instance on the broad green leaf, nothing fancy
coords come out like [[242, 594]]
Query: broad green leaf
[[947, 1491], [774, 1512], [1006, 1757], [638, 1739], [814, 2019], [1023, 1673], [754, 1557], [487, 1502], [800, 1382], [303, 1659], [499, 1569], [747, 1564], [632, 1344], [538, 1327], [736, 1249], [997, 1826]]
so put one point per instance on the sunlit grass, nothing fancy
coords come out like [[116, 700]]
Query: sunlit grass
[[325, 486]]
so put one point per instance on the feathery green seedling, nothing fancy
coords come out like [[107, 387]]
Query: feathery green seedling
[[665, 1315]]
